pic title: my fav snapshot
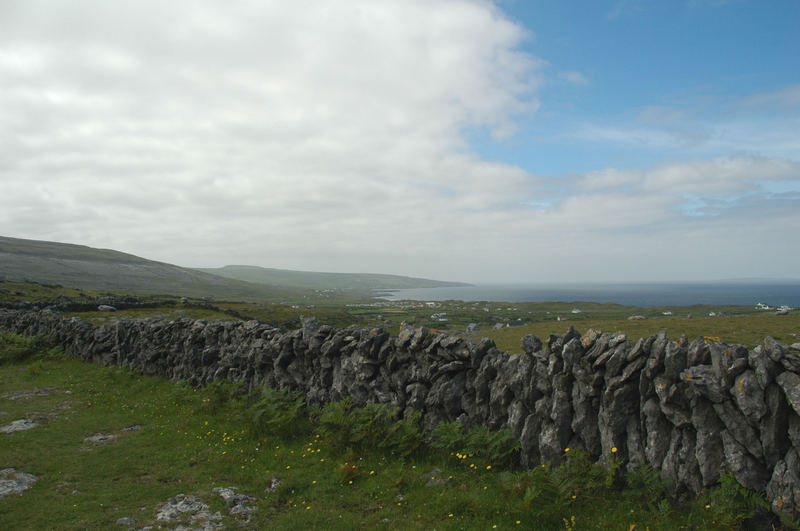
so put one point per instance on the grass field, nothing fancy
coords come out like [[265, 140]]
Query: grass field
[[303, 472], [748, 330]]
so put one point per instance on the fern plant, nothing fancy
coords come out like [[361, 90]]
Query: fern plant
[[731, 504], [220, 393], [276, 411], [645, 486], [404, 436], [371, 426], [15, 348], [497, 447]]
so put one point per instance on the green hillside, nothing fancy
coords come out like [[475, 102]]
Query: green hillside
[[312, 280], [79, 266]]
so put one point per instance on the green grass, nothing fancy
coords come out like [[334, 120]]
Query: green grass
[[191, 441], [748, 330]]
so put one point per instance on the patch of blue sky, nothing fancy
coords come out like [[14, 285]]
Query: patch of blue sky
[[632, 83], [782, 187]]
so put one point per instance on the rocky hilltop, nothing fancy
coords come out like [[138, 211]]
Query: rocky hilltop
[[694, 410]]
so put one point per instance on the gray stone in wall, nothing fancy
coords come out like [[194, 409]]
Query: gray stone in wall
[[619, 404], [705, 382], [531, 344], [793, 431], [709, 450], [675, 359], [738, 428], [749, 397], [517, 374], [775, 350], [728, 362], [584, 419], [598, 346], [637, 351], [672, 400], [766, 369], [655, 360], [657, 431], [517, 413], [541, 380], [774, 426], [783, 489], [561, 408], [633, 449], [791, 359], [699, 353], [747, 470], [571, 353], [790, 383], [680, 467], [444, 397], [529, 441], [617, 360], [551, 449]]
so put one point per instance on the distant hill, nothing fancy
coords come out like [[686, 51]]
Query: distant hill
[[84, 267], [311, 280]]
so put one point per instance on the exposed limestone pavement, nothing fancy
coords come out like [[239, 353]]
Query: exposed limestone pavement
[[694, 410], [19, 425], [14, 482], [186, 512]]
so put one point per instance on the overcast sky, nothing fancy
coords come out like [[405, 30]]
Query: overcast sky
[[507, 141]]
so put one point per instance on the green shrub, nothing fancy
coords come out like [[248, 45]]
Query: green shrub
[[35, 368], [15, 348], [539, 493], [496, 447], [276, 412], [645, 486], [730, 504], [404, 436], [220, 393], [372, 426]]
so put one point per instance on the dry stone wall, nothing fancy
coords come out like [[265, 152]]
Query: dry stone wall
[[694, 410]]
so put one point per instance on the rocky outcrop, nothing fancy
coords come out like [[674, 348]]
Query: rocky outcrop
[[694, 410]]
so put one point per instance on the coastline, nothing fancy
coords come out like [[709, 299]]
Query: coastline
[[627, 294]]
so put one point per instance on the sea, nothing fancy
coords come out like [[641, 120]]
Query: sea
[[644, 295]]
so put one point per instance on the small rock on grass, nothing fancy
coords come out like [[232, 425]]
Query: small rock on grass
[[19, 425], [29, 393], [13, 482], [100, 438], [183, 507], [237, 502]]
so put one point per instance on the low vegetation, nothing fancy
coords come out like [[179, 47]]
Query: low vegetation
[[736, 324], [336, 466], [744, 329]]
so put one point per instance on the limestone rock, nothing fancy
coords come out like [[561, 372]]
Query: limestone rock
[[747, 470], [709, 450], [774, 426], [749, 396], [14, 482], [19, 425], [790, 383], [783, 489], [738, 428]]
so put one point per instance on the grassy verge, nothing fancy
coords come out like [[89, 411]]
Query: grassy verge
[[337, 467], [748, 330]]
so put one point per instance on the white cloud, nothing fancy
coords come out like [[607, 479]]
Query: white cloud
[[266, 127], [660, 114], [785, 97], [574, 77], [329, 136]]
